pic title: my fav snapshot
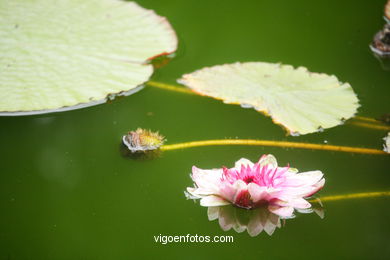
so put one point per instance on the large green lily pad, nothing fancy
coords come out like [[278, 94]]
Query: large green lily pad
[[63, 54], [301, 101]]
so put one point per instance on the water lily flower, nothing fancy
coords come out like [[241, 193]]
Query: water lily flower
[[251, 185]]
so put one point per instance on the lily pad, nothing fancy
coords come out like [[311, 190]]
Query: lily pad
[[62, 54], [301, 101]]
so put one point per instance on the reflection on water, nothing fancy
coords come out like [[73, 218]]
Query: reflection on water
[[140, 155], [254, 221], [384, 61]]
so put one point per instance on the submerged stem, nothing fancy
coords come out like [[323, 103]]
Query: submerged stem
[[367, 119], [371, 126], [353, 196], [374, 124], [169, 87], [271, 143]]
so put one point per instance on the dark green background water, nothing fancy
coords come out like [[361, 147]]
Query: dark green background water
[[67, 193]]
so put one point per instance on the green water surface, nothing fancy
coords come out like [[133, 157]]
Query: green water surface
[[66, 192]]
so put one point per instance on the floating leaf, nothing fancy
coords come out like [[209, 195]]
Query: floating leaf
[[61, 53], [301, 101]]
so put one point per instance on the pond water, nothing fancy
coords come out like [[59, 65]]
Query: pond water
[[66, 192]]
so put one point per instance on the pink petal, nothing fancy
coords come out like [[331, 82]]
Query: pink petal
[[299, 203], [227, 191], [302, 191], [257, 193], [281, 202], [316, 188], [242, 197]]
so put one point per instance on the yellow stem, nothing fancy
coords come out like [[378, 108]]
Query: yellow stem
[[353, 196], [368, 119], [271, 143], [286, 144], [169, 87], [371, 126]]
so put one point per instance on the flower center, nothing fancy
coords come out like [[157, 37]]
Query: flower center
[[243, 200], [248, 179]]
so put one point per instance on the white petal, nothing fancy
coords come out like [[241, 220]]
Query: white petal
[[191, 193], [284, 212], [212, 201], [268, 159], [305, 211], [244, 162], [240, 185], [208, 180], [203, 191], [311, 177]]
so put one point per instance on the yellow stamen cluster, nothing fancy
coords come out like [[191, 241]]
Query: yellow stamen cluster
[[142, 140]]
